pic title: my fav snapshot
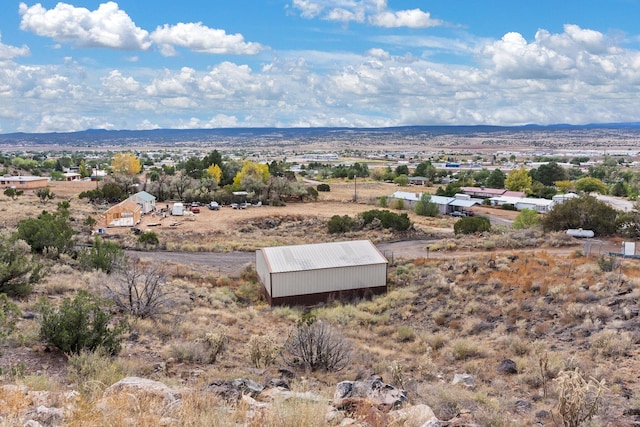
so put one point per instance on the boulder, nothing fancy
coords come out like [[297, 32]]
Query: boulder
[[383, 396], [508, 366], [136, 385], [418, 415], [232, 391], [464, 379]]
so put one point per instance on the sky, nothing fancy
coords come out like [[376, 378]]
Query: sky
[[135, 64]]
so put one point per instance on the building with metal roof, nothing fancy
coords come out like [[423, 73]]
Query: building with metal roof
[[308, 274]]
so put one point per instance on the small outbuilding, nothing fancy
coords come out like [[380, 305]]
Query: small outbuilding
[[24, 182], [146, 201], [308, 274]]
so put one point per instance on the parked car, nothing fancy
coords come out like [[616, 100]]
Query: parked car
[[458, 214], [194, 209], [469, 213], [214, 206]]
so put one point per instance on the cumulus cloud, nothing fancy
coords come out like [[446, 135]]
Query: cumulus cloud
[[200, 38], [107, 26], [10, 52], [575, 52], [375, 12]]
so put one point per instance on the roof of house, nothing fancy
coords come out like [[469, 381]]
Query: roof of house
[[143, 195], [283, 259], [23, 178], [526, 200]]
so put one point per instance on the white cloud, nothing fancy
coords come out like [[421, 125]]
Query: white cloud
[[117, 84], [414, 18], [10, 52], [375, 12], [107, 26], [200, 38]]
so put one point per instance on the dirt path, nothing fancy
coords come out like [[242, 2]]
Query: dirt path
[[231, 263]]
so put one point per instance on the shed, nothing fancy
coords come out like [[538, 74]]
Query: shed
[[124, 214], [308, 274], [146, 201]]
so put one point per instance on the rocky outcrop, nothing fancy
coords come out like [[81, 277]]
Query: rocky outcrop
[[371, 391], [143, 386]]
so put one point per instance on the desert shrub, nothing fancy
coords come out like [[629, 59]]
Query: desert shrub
[[263, 350], [382, 201], [607, 263], [340, 224], [215, 343], [9, 315], [312, 193], [315, 345], [610, 343], [94, 371], [509, 207], [18, 271], [45, 194], [48, 231], [470, 225], [140, 289], [103, 255], [323, 188], [387, 219], [578, 399], [13, 193], [81, 323], [148, 239], [406, 334]]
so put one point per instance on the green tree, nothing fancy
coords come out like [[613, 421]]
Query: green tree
[[496, 179], [18, 270], [591, 185], [585, 212], [548, 174], [45, 194], [425, 207], [81, 323], [518, 180], [426, 169], [527, 218], [401, 180], [402, 170], [340, 224]]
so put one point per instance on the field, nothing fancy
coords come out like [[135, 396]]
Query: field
[[523, 297]]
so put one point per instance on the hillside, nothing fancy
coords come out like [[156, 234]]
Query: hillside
[[511, 310]]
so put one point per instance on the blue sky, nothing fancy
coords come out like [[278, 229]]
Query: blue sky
[[134, 64]]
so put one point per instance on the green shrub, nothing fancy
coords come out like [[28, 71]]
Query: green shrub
[[509, 207], [527, 218], [18, 271], [470, 225], [312, 193], [148, 238], [47, 231], [103, 255], [323, 188], [340, 224], [9, 315], [406, 334], [81, 323], [388, 219]]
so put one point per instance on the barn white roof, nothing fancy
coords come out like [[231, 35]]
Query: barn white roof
[[318, 256]]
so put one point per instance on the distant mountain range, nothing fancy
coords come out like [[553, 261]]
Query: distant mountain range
[[242, 136]]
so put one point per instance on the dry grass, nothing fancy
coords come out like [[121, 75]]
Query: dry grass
[[545, 311]]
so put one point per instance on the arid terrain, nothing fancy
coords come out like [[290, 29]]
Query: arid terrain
[[463, 307]]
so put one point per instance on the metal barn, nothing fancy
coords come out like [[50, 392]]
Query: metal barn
[[308, 274]]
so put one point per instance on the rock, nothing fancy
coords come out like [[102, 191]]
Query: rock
[[271, 394], [277, 382], [464, 379], [232, 391], [418, 415], [46, 416], [136, 385], [508, 366], [383, 396], [28, 315], [32, 423]]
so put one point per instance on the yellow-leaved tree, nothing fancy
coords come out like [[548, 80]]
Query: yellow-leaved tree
[[251, 171], [518, 180], [215, 172], [126, 164]]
